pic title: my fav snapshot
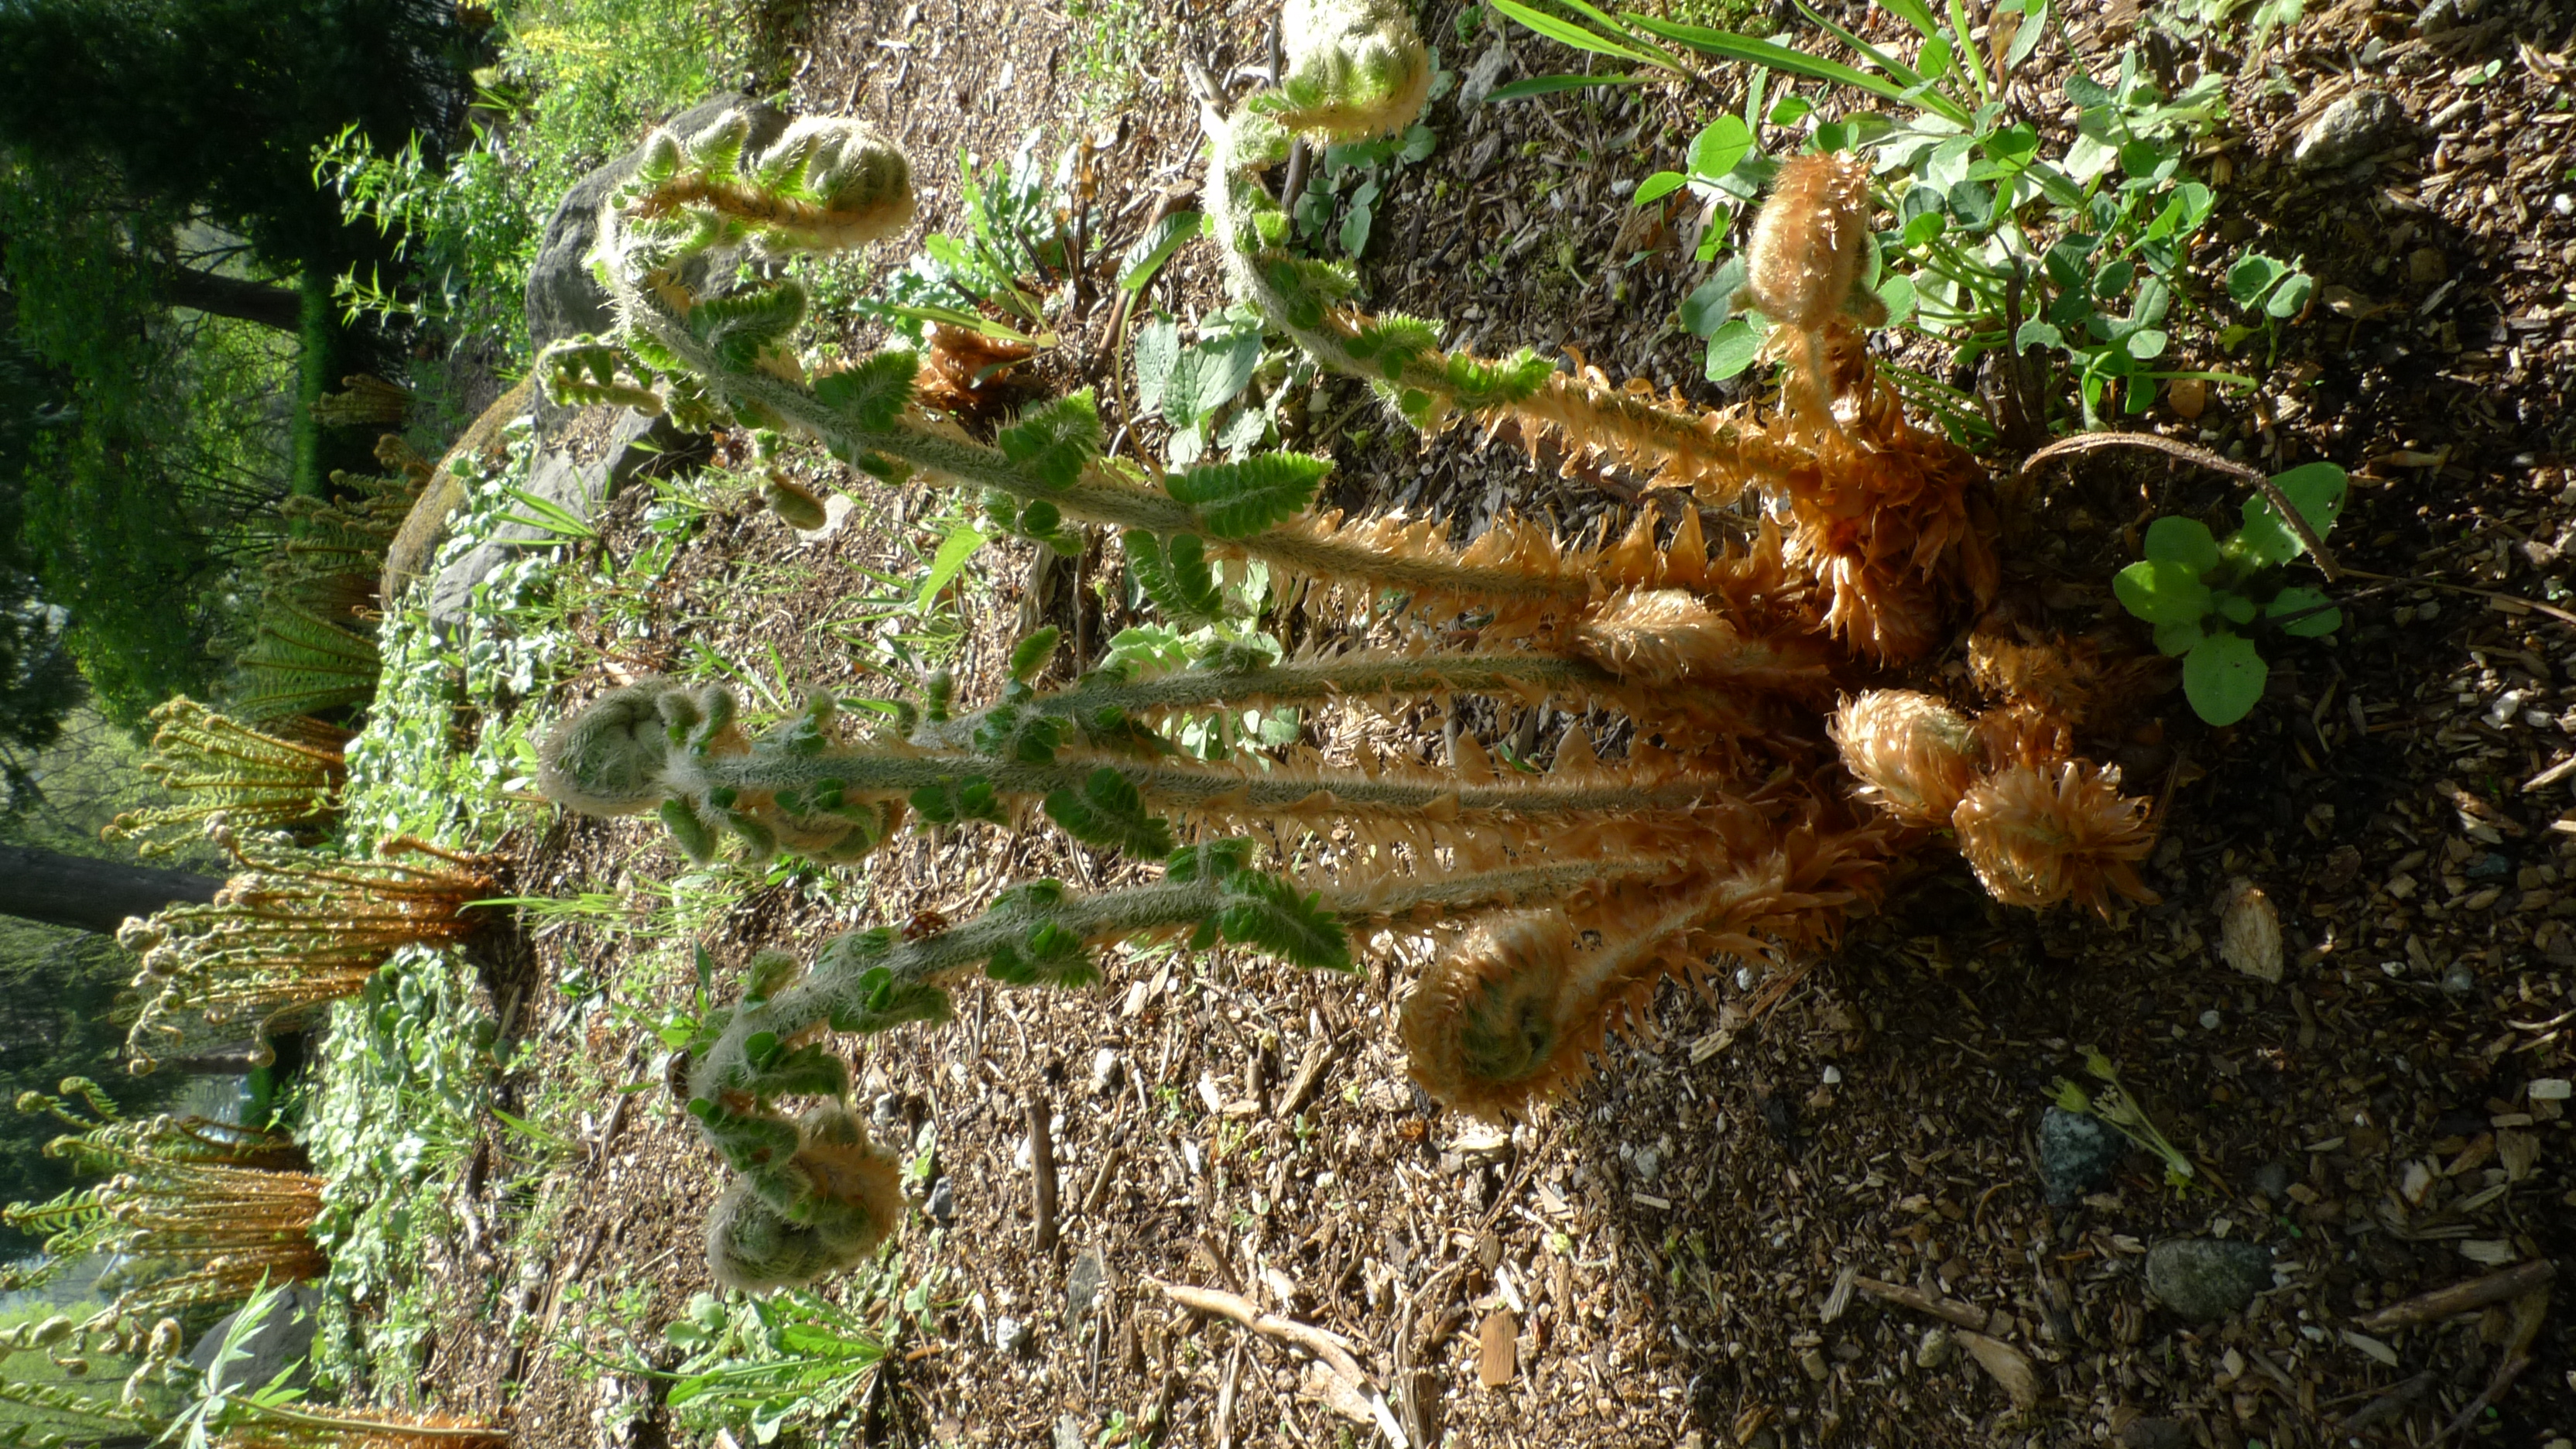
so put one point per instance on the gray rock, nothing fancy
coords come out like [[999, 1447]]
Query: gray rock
[[2155, 1433], [2077, 1151], [943, 1201], [1068, 1433], [2206, 1278], [1936, 1349], [1082, 1286], [2444, 15], [2360, 125], [284, 1337], [564, 299], [1009, 1334]]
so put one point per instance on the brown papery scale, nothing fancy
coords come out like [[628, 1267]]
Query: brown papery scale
[[1805, 256], [1808, 241]]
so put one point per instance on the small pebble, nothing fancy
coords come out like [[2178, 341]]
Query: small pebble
[[1082, 1285], [1104, 1070], [1009, 1334], [1649, 1164], [2209, 1019], [2459, 980], [2365, 122], [943, 1201], [1936, 1349], [2206, 1278], [2272, 1179], [2076, 1154]]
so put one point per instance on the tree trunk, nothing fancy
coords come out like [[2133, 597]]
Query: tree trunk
[[90, 894], [222, 296]]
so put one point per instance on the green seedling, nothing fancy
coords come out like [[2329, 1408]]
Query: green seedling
[[2112, 1103], [2210, 600], [2271, 291]]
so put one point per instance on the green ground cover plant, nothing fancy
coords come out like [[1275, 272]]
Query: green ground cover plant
[[2211, 599], [2066, 261]]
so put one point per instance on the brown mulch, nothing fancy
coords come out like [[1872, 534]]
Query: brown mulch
[[1672, 1255]]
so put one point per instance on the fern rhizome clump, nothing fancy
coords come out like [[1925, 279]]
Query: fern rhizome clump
[[1766, 781]]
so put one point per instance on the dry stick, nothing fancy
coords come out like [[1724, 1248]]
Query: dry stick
[[2466, 1297], [1042, 1167], [1948, 1310], [1324, 1344], [2528, 1312], [2088, 442], [2561, 615]]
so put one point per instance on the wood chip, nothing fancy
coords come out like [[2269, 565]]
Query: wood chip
[[2249, 932], [2009, 1366], [1497, 1349]]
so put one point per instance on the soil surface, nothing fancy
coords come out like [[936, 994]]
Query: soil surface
[[1804, 1208]]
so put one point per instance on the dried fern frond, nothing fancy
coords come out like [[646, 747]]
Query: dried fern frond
[[2038, 834], [1914, 756], [187, 1217], [365, 400], [304, 663], [1802, 266], [1514, 1014], [1893, 524]]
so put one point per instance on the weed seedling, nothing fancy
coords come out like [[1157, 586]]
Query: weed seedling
[[2212, 599]]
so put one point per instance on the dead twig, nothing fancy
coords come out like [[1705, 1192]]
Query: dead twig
[[1948, 1310], [2466, 1297], [1042, 1168], [2529, 1312], [2260, 480], [1333, 1350]]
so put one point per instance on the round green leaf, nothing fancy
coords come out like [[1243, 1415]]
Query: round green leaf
[[2223, 677], [1711, 303], [2161, 592], [1732, 348], [1897, 295], [2185, 541], [2175, 640], [2317, 490], [2235, 608], [2291, 296], [2147, 344], [2298, 601], [1719, 146], [2251, 277]]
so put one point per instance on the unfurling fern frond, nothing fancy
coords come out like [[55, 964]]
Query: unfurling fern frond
[[218, 766]]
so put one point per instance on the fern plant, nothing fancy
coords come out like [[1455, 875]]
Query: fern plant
[[219, 766], [1577, 890], [290, 932], [304, 663], [195, 1214]]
